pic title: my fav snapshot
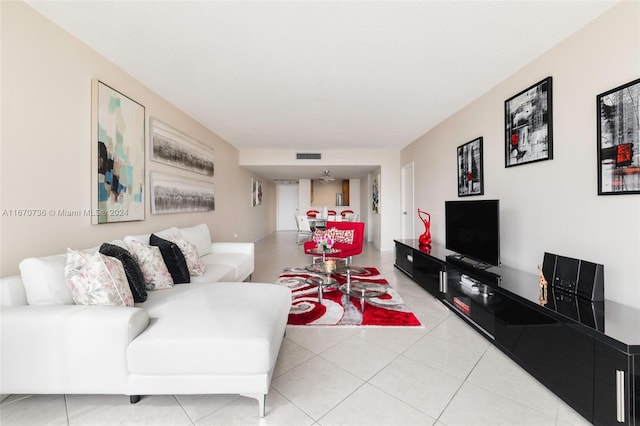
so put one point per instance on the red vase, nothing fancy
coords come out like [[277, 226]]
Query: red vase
[[425, 239]]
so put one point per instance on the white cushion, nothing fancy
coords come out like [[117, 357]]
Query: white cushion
[[12, 291], [155, 272], [97, 280], [227, 328], [214, 274], [239, 262], [199, 236], [44, 281]]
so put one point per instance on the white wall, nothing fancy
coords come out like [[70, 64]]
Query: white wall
[[45, 147], [551, 205]]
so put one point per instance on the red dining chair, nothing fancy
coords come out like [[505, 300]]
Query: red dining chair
[[312, 213], [331, 212], [344, 213]]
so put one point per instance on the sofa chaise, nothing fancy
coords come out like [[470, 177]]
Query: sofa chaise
[[217, 334]]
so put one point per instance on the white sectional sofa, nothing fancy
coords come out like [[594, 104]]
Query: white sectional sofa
[[217, 334]]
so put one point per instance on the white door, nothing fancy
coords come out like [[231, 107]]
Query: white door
[[287, 204], [408, 210]]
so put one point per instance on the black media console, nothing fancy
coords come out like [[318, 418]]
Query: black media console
[[587, 353]]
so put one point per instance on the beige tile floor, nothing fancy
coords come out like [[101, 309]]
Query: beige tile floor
[[444, 373]]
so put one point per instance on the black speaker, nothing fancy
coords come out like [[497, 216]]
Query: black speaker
[[566, 276], [579, 277], [549, 267], [591, 281]]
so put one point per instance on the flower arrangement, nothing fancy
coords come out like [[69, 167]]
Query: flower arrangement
[[323, 243]]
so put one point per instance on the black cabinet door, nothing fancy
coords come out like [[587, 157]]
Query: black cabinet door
[[612, 385], [556, 353], [427, 272], [404, 258]]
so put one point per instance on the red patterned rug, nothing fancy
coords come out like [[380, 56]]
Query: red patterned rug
[[388, 310]]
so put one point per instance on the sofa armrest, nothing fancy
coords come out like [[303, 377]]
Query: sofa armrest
[[233, 247], [67, 348]]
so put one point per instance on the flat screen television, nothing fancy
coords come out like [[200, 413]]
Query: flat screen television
[[472, 229]]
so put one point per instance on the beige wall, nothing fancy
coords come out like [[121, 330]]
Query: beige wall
[[552, 205], [45, 151]]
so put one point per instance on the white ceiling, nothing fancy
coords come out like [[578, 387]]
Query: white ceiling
[[332, 74]]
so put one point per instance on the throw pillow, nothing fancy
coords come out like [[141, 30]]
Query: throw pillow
[[194, 263], [173, 258], [199, 236], [96, 279], [44, 282], [131, 269], [343, 236], [319, 234], [155, 272]]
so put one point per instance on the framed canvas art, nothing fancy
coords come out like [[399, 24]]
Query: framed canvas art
[[529, 125], [172, 147], [176, 194], [257, 192], [118, 164], [375, 194], [619, 140], [470, 178]]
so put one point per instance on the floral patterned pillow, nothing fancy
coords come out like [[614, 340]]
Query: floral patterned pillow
[[344, 236], [155, 272], [194, 263], [96, 279], [319, 234]]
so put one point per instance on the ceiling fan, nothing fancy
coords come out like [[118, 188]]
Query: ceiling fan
[[327, 177]]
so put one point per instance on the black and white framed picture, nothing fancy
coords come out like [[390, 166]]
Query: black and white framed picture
[[176, 194], [470, 178], [528, 125], [174, 148], [619, 140]]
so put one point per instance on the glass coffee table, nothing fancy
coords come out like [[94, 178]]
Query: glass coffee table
[[363, 290], [348, 269], [326, 267]]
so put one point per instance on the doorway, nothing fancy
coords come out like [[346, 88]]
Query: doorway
[[408, 209], [286, 206]]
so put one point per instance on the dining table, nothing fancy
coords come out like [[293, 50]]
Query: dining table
[[317, 223]]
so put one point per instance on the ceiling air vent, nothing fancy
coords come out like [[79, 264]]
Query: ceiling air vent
[[308, 156]]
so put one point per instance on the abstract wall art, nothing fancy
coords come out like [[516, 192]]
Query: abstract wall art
[[177, 194], [118, 164], [172, 147], [375, 194], [256, 192], [529, 125], [619, 140], [470, 178]]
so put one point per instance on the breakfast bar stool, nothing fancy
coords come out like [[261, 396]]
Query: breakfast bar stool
[[344, 213]]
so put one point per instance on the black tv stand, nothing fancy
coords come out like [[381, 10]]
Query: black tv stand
[[482, 266], [469, 261], [482, 269], [589, 359]]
